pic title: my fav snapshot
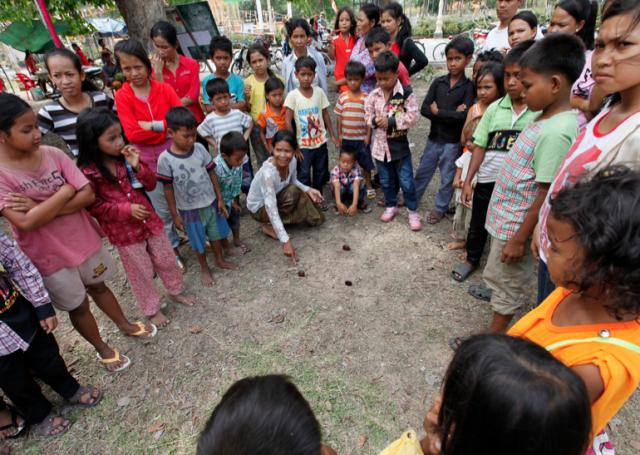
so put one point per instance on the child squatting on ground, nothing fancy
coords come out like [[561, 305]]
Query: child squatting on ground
[[191, 186], [347, 186]]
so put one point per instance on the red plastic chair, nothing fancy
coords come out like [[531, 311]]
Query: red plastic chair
[[25, 83]]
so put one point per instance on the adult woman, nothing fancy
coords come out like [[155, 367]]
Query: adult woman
[[398, 25], [342, 44], [30, 62], [367, 18], [180, 72], [277, 197], [522, 27], [579, 17]]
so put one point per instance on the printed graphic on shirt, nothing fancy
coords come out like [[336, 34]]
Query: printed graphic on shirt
[[272, 128], [311, 131], [50, 183], [502, 141], [582, 87]]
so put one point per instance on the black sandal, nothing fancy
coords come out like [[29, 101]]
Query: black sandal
[[19, 428], [480, 292], [462, 271]]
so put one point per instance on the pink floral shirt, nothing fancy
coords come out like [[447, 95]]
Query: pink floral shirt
[[402, 111]]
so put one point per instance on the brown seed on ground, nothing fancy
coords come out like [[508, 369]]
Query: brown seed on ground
[[346, 247], [348, 283], [301, 273]]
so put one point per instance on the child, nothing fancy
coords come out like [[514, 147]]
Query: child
[[224, 118], [119, 180], [262, 414], [351, 126], [547, 72], [43, 195], [346, 182], [274, 116], [613, 136], [591, 322], [390, 111], [77, 93], [396, 22], [190, 184], [234, 151], [299, 33], [254, 90], [341, 44], [308, 107], [142, 104], [492, 140], [489, 87], [29, 349], [446, 105], [377, 41], [485, 57], [506, 396], [221, 53]]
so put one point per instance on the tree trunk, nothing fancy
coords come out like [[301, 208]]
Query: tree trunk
[[140, 15]]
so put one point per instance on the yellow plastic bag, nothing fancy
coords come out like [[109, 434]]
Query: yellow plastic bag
[[408, 444]]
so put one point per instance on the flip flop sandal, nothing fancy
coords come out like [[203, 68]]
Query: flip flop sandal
[[75, 399], [115, 359], [434, 217], [244, 248], [143, 332], [323, 206], [366, 209], [462, 271], [480, 292], [371, 194], [19, 428], [45, 428]]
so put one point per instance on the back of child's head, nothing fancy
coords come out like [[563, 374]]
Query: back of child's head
[[496, 70], [492, 55], [305, 62], [216, 86], [462, 44], [220, 43], [298, 22], [506, 396], [273, 83], [233, 142], [92, 122], [181, 117], [387, 61], [355, 69], [604, 211], [516, 52], [377, 35], [12, 107], [261, 415], [557, 53], [527, 16]]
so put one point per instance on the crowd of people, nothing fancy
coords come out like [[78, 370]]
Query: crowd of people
[[539, 149]]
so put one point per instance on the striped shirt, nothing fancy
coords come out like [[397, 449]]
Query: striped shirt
[[216, 125], [350, 109], [496, 133], [55, 118]]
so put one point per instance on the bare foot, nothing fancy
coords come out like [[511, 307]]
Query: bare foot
[[244, 248], [160, 320], [268, 230], [206, 278], [457, 245], [234, 252], [227, 265], [186, 300]]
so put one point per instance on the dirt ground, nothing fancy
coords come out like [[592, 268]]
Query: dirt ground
[[369, 357]]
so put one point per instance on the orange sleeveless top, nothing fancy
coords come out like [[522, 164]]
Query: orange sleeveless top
[[613, 347]]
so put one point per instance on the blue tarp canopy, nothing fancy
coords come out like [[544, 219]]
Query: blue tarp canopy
[[107, 26]]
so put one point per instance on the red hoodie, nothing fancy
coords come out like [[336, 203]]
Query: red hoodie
[[132, 109]]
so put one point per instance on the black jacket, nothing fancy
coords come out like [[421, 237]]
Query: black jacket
[[409, 53], [446, 127]]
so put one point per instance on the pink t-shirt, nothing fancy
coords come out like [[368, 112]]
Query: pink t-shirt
[[68, 240]]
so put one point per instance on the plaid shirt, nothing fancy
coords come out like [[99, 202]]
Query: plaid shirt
[[16, 267], [345, 179], [230, 179]]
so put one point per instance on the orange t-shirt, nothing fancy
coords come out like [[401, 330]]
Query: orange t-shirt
[[613, 347], [271, 121]]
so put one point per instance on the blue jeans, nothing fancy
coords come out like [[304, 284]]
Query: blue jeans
[[392, 172], [545, 285], [346, 195], [443, 156], [314, 169]]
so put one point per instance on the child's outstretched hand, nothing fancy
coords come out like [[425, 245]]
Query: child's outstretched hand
[[132, 155], [20, 202], [139, 212], [342, 209]]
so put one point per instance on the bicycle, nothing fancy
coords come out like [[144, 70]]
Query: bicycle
[[240, 65]]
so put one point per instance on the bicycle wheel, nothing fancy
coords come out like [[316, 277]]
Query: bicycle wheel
[[420, 46], [277, 59], [439, 52]]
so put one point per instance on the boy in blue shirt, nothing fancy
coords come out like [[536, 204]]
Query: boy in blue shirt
[[221, 52]]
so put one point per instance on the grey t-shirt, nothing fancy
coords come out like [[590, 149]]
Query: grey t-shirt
[[189, 175]]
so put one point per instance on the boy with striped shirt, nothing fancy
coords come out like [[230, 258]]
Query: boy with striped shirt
[[351, 126]]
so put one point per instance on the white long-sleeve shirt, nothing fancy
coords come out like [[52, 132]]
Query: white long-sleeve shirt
[[265, 187]]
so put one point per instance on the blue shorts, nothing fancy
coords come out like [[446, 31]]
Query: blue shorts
[[203, 225], [234, 218], [363, 153]]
